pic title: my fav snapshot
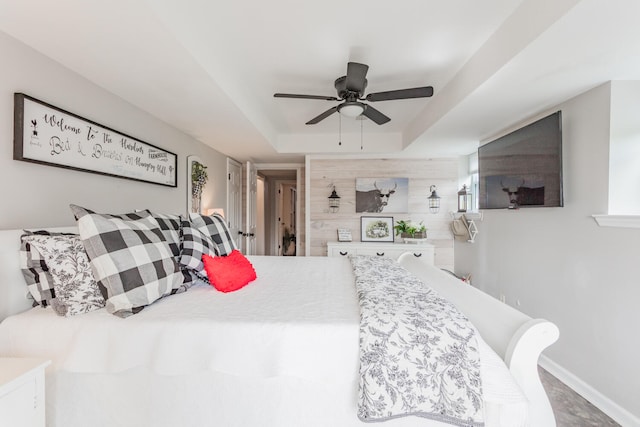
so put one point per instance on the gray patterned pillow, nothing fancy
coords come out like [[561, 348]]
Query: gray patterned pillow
[[130, 259], [35, 270], [76, 291], [215, 226]]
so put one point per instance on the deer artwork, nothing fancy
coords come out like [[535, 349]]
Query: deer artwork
[[374, 200]]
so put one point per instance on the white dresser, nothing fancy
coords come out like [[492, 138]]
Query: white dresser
[[424, 251], [22, 392]]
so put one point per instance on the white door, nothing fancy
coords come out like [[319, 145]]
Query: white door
[[234, 201], [251, 214]]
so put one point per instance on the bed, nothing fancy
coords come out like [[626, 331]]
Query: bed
[[283, 351]]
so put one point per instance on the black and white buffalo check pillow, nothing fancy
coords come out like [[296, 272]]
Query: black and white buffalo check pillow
[[170, 227], [130, 259], [195, 244], [216, 228]]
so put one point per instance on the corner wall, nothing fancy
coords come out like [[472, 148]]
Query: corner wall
[[624, 149], [36, 195], [561, 266]]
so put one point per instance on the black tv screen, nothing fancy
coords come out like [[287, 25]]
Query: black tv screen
[[523, 168]]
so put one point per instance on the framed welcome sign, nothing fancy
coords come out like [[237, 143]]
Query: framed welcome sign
[[48, 135]]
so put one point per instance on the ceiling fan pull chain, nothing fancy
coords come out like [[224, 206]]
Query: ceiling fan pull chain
[[361, 126], [339, 129]]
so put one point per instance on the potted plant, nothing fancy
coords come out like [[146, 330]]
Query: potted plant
[[199, 179], [407, 230], [420, 231], [401, 228]]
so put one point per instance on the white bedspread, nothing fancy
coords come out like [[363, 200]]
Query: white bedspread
[[299, 319]]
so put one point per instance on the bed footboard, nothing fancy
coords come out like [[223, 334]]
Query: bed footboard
[[515, 337], [522, 355]]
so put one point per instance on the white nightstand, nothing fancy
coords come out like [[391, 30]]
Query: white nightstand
[[22, 392]]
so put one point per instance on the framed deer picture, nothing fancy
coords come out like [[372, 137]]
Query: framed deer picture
[[382, 195]]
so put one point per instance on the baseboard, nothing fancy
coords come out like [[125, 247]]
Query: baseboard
[[600, 401]]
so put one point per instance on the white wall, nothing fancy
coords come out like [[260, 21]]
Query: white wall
[[34, 195], [624, 151], [563, 267]]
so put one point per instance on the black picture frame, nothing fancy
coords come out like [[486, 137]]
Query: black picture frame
[[51, 136]]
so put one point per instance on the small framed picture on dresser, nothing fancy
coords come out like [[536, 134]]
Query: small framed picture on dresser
[[376, 229], [344, 235]]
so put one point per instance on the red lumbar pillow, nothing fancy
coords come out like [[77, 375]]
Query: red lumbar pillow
[[229, 273]]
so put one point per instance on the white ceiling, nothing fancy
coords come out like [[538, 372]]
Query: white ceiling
[[211, 67]]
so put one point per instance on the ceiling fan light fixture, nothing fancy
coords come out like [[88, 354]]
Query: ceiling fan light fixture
[[350, 89], [351, 109]]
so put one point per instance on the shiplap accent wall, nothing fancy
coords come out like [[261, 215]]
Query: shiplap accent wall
[[323, 173]]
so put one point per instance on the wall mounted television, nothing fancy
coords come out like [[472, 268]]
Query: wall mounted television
[[523, 169]]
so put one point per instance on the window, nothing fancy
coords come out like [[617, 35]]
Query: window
[[474, 184]]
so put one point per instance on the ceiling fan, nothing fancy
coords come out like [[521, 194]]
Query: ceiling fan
[[351, 90]]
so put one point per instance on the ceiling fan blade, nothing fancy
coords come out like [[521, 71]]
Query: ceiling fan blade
[[356, 77], [416, 92], [322, 116], [293, 95], [375, 115]]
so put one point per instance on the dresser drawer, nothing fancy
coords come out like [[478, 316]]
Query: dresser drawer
[[388, 252], [426, 255], [425, 252], [340, 251]]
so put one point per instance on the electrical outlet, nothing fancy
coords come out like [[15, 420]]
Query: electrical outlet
[[503, 298]]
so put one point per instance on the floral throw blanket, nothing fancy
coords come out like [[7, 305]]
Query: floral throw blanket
[[418, 353]]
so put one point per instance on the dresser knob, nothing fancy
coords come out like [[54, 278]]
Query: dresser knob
[[343, 253], [380, 254], [417, 255]]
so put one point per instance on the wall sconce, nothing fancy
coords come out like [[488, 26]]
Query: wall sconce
[[464, 199], [334, 201], [434, 200]]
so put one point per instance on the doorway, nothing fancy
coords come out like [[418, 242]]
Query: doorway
[[287, 230], [279, 213]]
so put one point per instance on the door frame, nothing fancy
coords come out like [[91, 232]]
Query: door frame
[[298, 167], [237, 238], [251, 177]]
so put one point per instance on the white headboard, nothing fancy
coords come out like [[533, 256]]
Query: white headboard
[[13, 288]]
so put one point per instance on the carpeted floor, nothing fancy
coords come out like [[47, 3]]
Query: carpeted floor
[[570, 408]]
